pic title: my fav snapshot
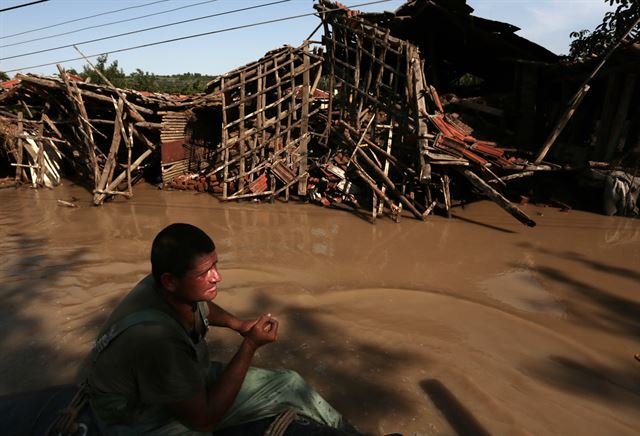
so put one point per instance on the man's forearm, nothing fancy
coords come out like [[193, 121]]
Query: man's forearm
[[222, 393]]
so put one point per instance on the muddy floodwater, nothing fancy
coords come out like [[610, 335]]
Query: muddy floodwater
[[475, 325]]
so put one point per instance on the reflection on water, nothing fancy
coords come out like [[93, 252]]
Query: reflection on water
[[491, 312], [521, 289]]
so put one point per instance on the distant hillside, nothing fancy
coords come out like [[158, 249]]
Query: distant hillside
[[186, 83]]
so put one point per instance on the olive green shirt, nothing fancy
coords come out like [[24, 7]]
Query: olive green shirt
[[147, 365]]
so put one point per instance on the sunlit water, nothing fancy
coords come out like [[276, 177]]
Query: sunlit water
[[471, 324]]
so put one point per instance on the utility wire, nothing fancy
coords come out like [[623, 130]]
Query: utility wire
[[22, 6], [86, 18], [107, 24], [197, 35], [145, 30]]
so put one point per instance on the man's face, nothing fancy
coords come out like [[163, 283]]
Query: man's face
[[200, 283]]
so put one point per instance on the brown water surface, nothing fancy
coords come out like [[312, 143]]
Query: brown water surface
[[474, 325]]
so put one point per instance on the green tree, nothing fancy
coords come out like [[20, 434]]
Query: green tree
[[142, 81], [614, 24], [3, 76], [112, 72]]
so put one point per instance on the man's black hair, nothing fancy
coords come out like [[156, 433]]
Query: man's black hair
[[176, 247]]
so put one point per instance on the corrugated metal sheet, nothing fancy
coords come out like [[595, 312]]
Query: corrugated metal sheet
[[174, 169], [173, 126]]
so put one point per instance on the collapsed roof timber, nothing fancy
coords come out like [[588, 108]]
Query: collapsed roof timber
[[379, 139]]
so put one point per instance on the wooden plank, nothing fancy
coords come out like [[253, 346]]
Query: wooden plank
[[386, 160], [225, 141], [241, 134], [83, 125], [486, 189], [19, 150], [390, 184], [562, 122], [110, 164], [278, 106], [302, 166], [26, 108], [54, 84], [446, 192], [286, 78], [40, 158], [291, 116], [332, 72], [133, 110], [419, 92], [374, 146], [114, 184]]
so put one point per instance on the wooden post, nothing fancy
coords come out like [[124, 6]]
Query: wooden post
[[40, 158], [331, 57], [304, 124], [564, 119], [26, 108], [114, 184], [416, 76], [260, 104], [110, 164], [241, 135], [386, 160], [292, 113], [447, 194], [19, 150], [83, 125], [486, 189], [129, 147], [278, 105], [225, 139], [390, 184], [372, 184]]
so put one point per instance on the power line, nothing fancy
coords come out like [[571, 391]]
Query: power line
[[86, 18], [22, 6], [106, 24], [145, 30], [197, 35]]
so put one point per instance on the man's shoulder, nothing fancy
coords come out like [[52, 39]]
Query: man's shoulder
[[143, 296], [153, 334]]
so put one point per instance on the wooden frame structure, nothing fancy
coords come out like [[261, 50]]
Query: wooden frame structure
[[379, 108], [401, 143], [266, 106], [102, 132]]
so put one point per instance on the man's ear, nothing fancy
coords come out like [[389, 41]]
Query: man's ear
[[168, 281]]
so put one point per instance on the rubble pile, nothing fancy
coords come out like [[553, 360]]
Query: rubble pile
[[100, 134], [403, 150]]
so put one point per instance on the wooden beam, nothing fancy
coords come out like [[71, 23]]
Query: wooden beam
[[19, 149], [302, 150], [111, 163], [486, 189]]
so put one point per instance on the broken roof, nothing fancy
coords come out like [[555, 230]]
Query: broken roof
[[454, 42]]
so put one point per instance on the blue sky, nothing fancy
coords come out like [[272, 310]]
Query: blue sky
[[546, 22]]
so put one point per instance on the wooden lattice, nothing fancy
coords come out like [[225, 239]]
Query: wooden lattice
[[265, 124]]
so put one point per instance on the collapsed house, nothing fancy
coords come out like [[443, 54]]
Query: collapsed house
[[379, 139], [101, 135]]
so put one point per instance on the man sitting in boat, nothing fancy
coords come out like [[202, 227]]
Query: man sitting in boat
[[150, 372]]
